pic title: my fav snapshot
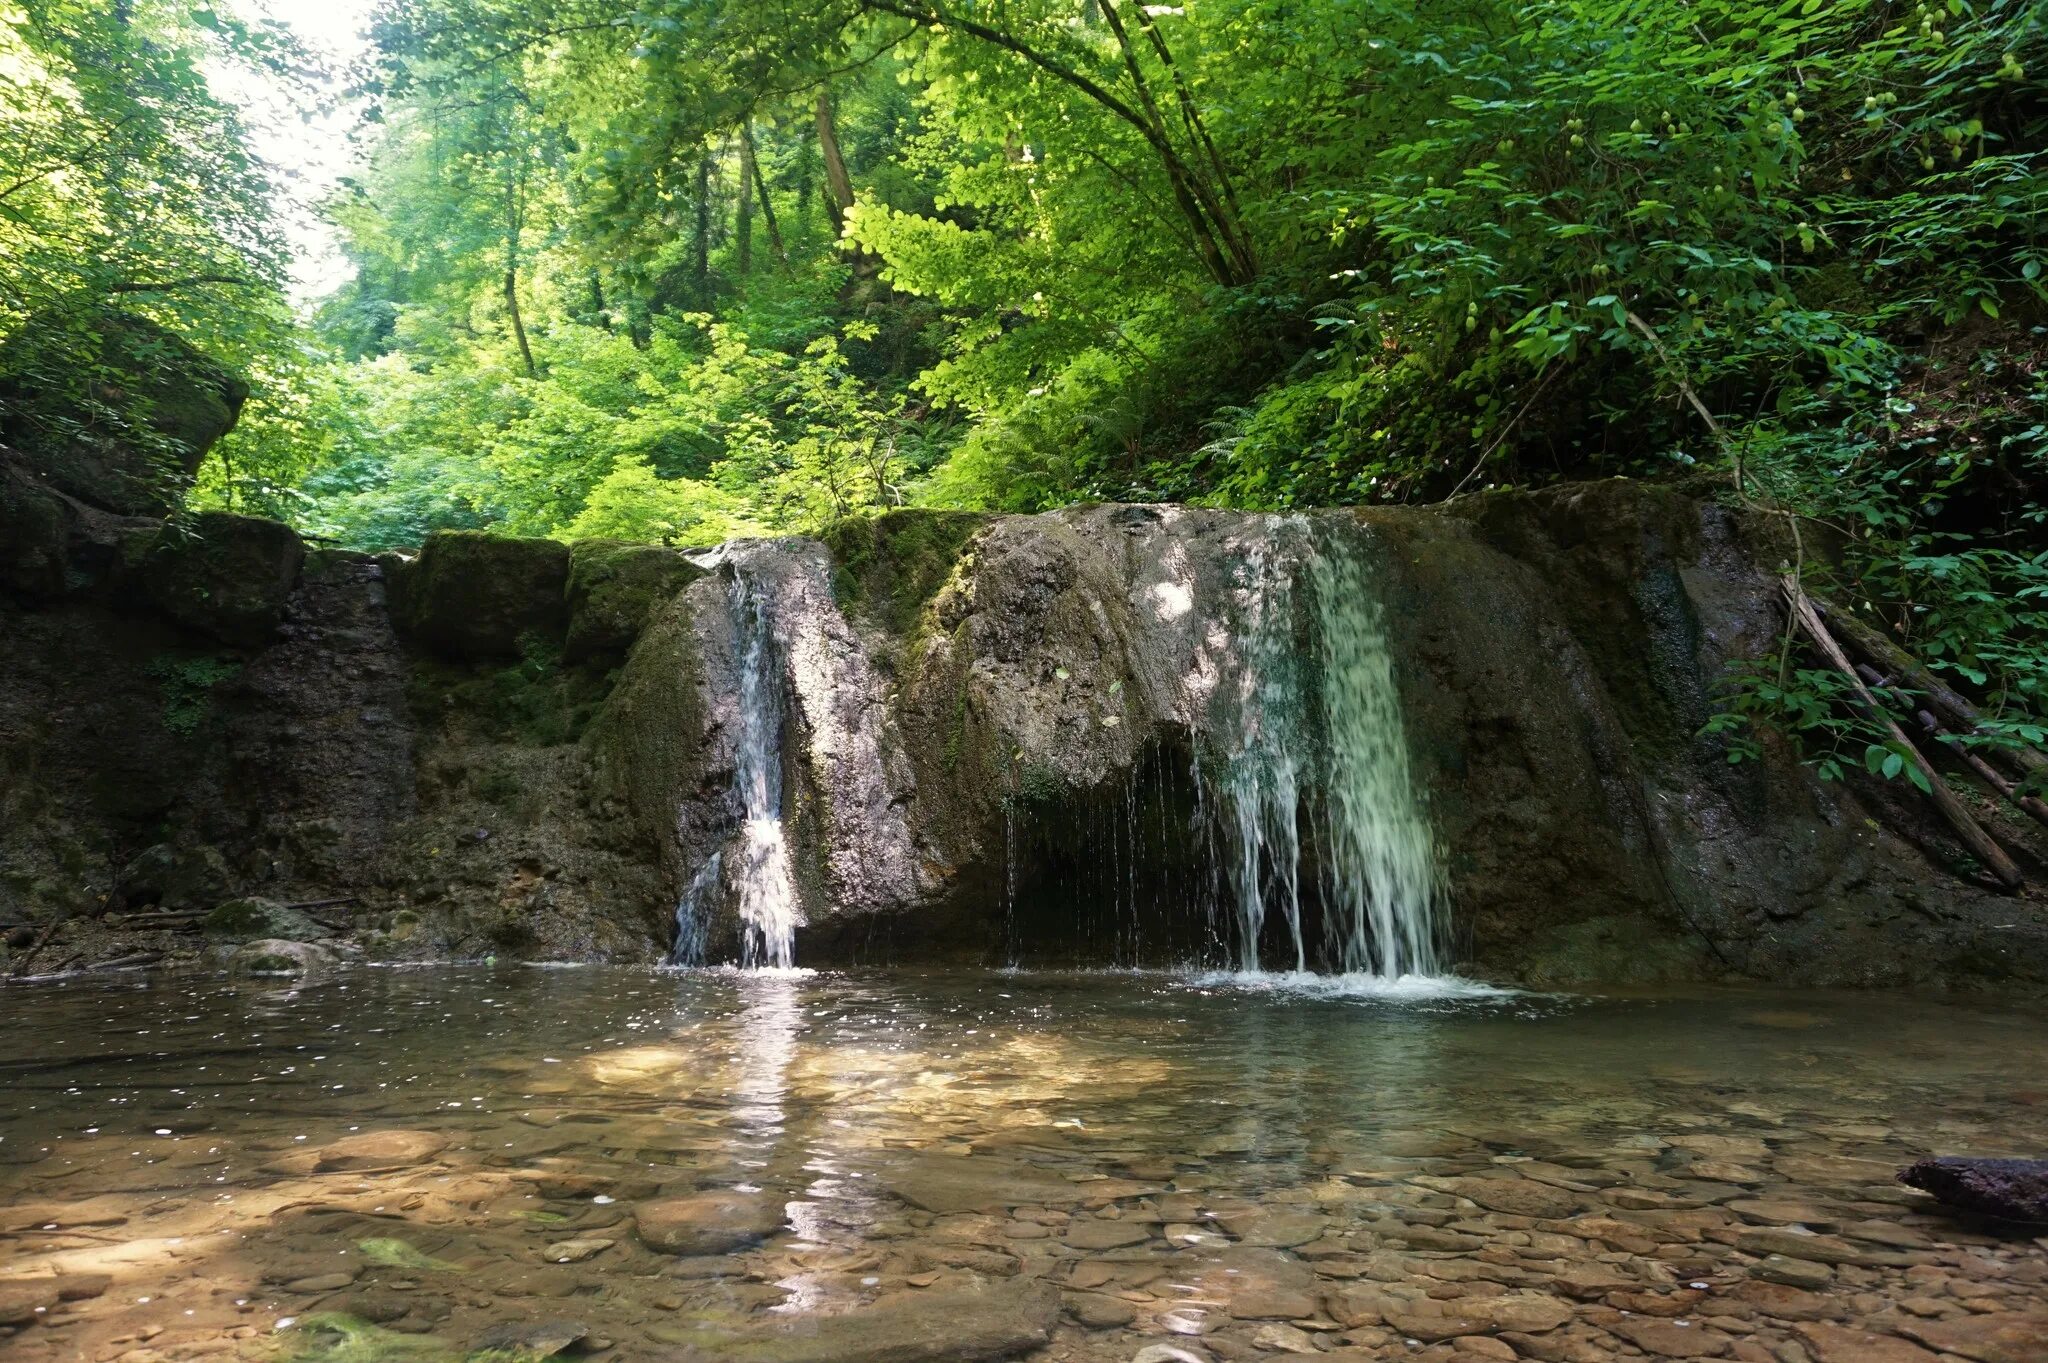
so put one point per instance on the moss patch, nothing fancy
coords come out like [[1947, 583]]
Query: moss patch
[[889, 567], [614, 588]]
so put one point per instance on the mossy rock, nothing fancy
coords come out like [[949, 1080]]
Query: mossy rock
[[113, 409], [254, 919], [889, 567], [273, 957], [472, 595], [613, 590], [229, 577], [34, 537]]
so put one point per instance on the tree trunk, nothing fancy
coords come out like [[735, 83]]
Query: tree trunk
[[518, 326], [838, 184], [700, 247], [750, 175], [743, 216]]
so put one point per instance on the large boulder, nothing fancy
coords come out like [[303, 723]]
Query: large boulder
[[53, 545], [2010, 1189], [472, 595], [614, 589], [113, 409], [226, 576]]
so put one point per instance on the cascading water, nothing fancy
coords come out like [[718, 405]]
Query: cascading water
[[754, 866], [1317, 734], [1379, 879]]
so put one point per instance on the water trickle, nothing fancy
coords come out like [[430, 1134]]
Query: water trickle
[[754, 866], [1308, 737]]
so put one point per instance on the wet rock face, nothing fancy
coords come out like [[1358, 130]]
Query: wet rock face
[[517, 747]]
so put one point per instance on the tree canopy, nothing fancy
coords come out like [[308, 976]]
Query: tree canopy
[[696, 268]]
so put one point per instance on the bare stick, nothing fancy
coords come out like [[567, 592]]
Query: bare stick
[[1967, 828]]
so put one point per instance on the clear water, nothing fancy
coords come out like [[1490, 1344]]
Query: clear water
[[1271, 1138]]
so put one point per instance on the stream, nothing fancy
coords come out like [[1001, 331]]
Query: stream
[[684, 1164]]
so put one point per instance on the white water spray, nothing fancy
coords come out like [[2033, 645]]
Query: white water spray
[[1295, 722]]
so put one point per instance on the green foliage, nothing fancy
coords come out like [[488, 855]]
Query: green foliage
[[186, 685]]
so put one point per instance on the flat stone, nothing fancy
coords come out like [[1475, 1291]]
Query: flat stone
[[575, 1251], [1782, 1301], [22, 1303], [1516, 1196], [83, 1286], [320, 1282], [1529, 1313], [1777, 1268], [947, 1183], [1285, 1339], [1998, 1338], [715, 1222], [1169, 1353], [1097, 1311], [1821, 1249], [1669, 1339], [1846, 1344], [370, 1151], [1779, 1212], [1095, 1233], [543, 1339], [991, 1321], [1267, 1303]]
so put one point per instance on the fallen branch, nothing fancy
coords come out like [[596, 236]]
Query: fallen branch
[[1984, 771], [34, 948], [1968, 829], [1895, 662]]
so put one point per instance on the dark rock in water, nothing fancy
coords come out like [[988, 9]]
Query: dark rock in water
[[226, 576], [614, 589], [472, 595], [112, 409], [2011, 1189]]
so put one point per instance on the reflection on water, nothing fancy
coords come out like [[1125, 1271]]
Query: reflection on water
[[1277, 1164]]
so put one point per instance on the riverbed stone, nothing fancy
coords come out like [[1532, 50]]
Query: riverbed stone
[[1517, 1196], [1098, 1311], [715, 1222], [947, 1183], [372, 1151], [1095, 1233], [966, 1326], [1523, 1312], [1830, 1343], [575, 1251], [2001, 1337], [539, 1339]]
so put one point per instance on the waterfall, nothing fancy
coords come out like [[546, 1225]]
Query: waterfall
[[1379, 860], [1308, 737], [754, 865]]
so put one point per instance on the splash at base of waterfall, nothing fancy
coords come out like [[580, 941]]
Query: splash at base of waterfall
[[1308, 984]]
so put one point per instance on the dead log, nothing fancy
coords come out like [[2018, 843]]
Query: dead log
[[1968, 829]]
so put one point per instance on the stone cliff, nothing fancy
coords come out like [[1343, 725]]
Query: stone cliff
[[986, 738]]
